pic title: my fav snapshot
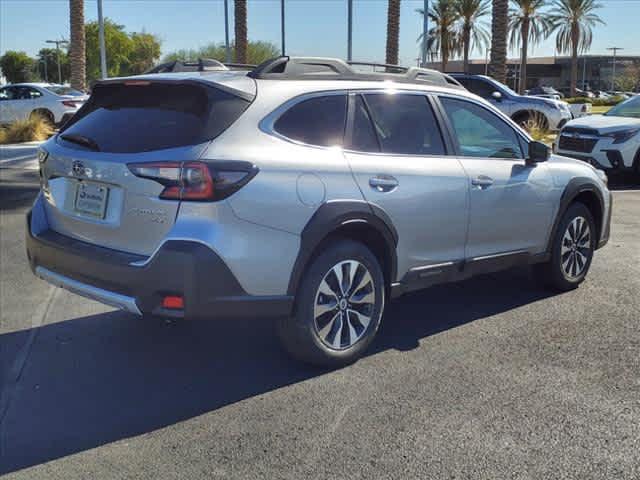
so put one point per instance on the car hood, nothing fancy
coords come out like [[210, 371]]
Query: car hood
[[604, 124], [547, 102]]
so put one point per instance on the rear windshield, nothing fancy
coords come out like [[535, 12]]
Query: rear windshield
[[62, 90], [122, 118]]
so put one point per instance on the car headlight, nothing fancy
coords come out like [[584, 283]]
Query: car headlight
[[622, 136]]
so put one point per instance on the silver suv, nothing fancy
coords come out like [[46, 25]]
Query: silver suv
[[547, 113], [303, 190]]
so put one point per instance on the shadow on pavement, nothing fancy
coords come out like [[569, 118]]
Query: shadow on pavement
[[98, 379]]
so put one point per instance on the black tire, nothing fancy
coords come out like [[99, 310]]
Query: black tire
[[46, 115], [301, 333], [566, 270]]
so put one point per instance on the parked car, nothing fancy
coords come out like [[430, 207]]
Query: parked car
[[566, 91], [610, 141], [55, 103], [522, 109], [579, 110], [220, 194], [545, 92]]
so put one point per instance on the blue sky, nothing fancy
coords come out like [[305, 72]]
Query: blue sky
[[313, 27]]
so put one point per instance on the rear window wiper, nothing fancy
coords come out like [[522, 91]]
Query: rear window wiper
[[81, 140]]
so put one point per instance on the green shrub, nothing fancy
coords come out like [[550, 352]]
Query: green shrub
[[596, 102], [35, 128]]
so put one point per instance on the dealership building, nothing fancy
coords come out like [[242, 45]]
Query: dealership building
[[594, 71]]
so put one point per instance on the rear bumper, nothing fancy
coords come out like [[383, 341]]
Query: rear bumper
[[138, 284]]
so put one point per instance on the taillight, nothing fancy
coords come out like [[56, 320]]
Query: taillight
[[71, 103], [196, 181]]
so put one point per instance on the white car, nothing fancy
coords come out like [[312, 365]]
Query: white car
[[609, 142], [57, 103]]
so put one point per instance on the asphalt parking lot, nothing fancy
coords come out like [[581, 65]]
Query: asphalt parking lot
[[489, 378]]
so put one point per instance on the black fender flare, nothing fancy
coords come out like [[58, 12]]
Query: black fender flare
[[575, 187], [332, 215]]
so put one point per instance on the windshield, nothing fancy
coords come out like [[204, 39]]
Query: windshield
[[629, 108], [506, 88], [62, 90]]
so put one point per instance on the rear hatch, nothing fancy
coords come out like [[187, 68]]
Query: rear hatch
[[93, 171]]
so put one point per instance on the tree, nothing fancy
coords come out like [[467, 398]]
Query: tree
[[473, 31], [17, 66], [573, 20], [145, 52], [629, 81], [49, 56], [77, 46], [442, 37], [257, 52], [499, 28], [393, 31], [528, 25], [240, 17]]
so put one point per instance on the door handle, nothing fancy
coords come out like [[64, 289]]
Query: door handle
[[383, 183], [482, 181]]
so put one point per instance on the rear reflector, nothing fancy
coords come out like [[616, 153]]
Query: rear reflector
[[196, 181], [173, 302]]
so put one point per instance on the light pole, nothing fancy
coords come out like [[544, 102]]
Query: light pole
[[613, 73], [282, 25], [349, 30], [425, 29], [103, 53], [226, 31], [58, 43]]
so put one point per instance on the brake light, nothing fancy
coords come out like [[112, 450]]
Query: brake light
[[71, 103], [196, 181]]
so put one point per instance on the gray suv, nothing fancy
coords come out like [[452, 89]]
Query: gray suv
[[547, 113], [304, 190]]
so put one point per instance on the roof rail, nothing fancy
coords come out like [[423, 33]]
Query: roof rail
[[318, 68], [240, 66]]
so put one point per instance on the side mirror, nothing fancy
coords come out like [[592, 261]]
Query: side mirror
[[538, 152], [496, 96]]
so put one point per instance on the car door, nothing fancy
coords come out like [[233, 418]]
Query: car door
[[510, 200], [398, 156], [27, 100], [7, 100]]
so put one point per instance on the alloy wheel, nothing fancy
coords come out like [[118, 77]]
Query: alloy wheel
[[344, 304], [576, 248]]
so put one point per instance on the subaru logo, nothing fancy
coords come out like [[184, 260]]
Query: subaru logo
[[78, 168]]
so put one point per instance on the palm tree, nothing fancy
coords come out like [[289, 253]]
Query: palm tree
[[393, 31], [574, 20], [472, 29], [240, 20], [499, 27], [528, 25], [77, 55], [442, 37]]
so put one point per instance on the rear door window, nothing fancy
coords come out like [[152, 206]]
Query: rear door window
[[316, 121], [405, 124], [122, 118]]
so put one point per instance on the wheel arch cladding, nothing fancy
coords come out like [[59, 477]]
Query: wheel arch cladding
[[585, 191], [357, 220]]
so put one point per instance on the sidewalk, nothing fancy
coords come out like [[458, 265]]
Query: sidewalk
[[19, 155]]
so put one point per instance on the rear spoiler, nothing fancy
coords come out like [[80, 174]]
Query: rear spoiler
[[239, 86]]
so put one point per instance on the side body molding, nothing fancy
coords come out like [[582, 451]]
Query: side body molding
[[334, 215]]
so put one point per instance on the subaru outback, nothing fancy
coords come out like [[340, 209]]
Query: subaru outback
[[304, 190]]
